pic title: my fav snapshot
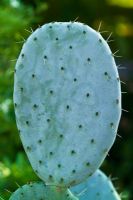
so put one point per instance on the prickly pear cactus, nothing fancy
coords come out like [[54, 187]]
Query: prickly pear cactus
[[67, 101], [39, 191], [97, 187]]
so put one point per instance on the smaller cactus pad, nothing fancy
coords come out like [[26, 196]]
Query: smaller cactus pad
[[97, 187], [39, 191]]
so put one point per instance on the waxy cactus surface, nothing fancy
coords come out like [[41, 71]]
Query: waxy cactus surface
[[67, 101]]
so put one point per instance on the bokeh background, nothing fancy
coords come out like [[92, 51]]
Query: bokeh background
[[17, 19]]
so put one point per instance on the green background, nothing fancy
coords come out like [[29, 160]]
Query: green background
[[16, 17]]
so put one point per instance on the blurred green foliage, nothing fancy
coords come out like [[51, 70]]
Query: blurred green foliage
[[16, 19]]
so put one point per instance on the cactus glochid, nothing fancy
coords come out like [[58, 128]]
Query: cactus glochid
[[67, 99]]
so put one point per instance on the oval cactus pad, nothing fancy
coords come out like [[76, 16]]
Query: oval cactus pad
[[67, 101]]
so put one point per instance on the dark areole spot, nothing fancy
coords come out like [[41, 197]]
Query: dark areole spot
[[30, 184], [48, 120], [67, 107], [98, 194], [73, 152], [73, 171], [51, 91], [100, 40], [51, 153], [22, 89], [15, 104], [27, 122], [80, 126], [87, 95], [62, 68], [92, 141], [117, 101], [97, 113], [35, 105], [105, 73], [59, 165], [111, 124], [61, 179], [39, 141], [28, 148], [45, 57], [50, 176], [61, 135], [87, 164]]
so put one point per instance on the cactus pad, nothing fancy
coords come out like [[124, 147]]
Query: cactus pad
[[97, 187], [67, 101], [39, 191]]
